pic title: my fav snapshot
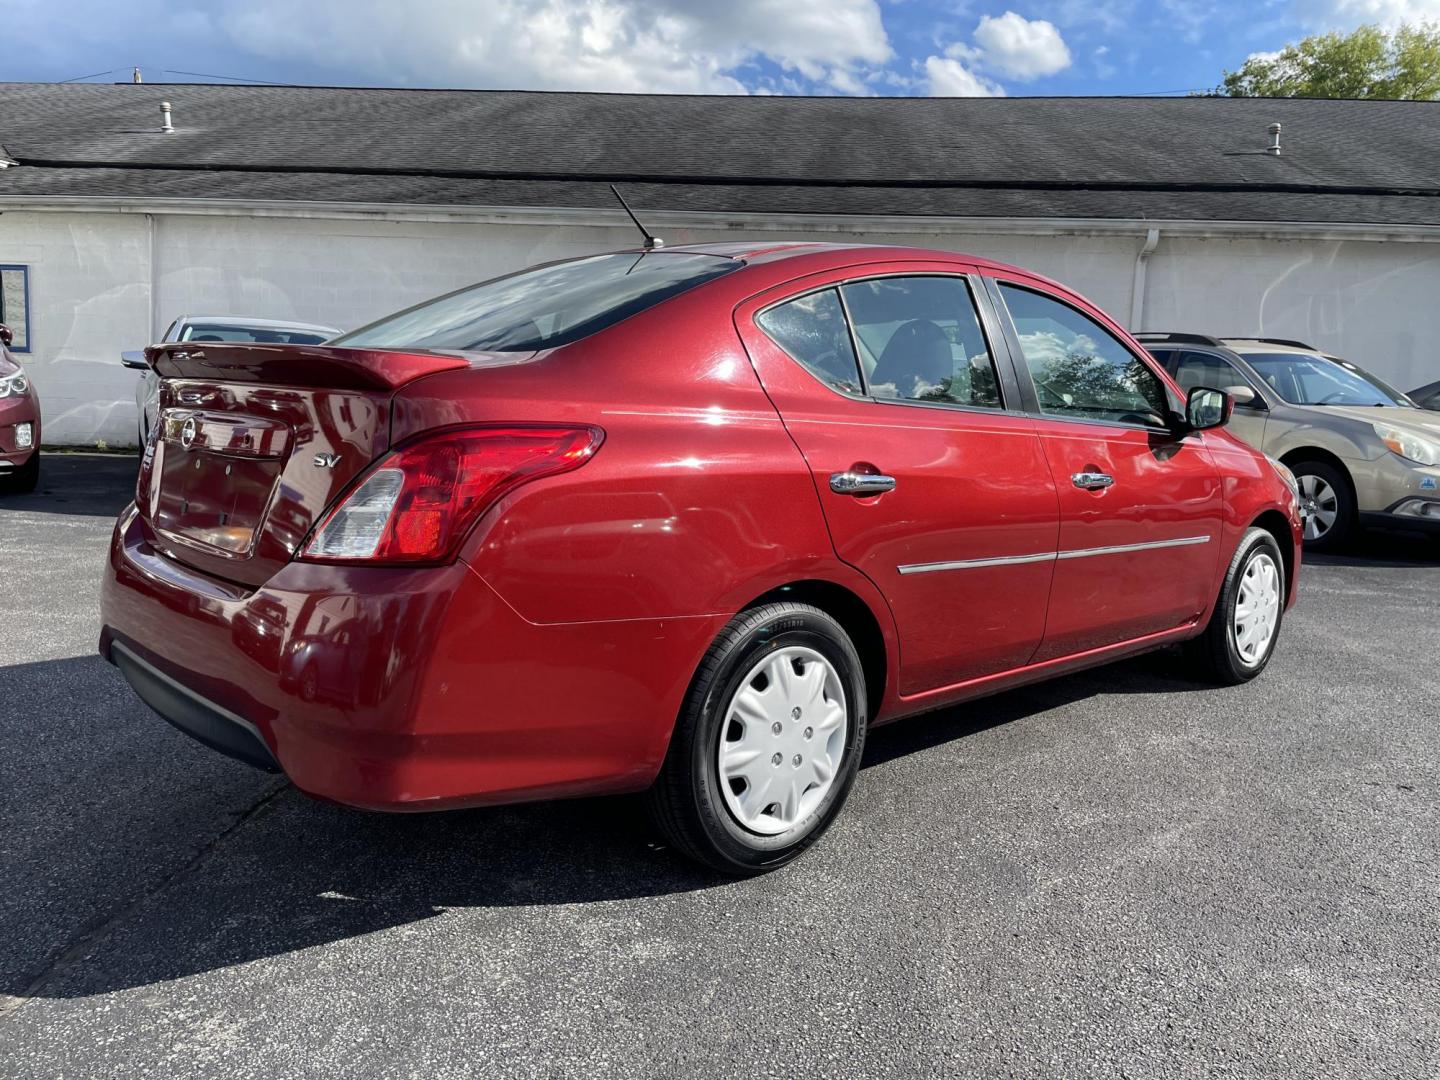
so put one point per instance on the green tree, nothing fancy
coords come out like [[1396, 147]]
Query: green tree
[[1403, 64]]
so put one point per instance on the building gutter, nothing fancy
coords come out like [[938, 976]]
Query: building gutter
[[674, 221], [1137, 287]]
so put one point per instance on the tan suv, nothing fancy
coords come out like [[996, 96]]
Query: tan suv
[[1362, 452]]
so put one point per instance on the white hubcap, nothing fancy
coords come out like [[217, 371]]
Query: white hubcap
[[1318, 506], [1257, 609], [782, 740]]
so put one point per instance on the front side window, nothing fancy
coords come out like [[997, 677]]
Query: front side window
[[15, 304], [1305, 379], [545, 307], [1081, 370], [812, 329], [920, 340], [1206, 369]]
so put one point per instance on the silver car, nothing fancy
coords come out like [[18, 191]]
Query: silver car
[[1362, 452], [215, 328]]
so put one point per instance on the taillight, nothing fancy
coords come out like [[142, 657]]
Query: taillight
[[417, 503]]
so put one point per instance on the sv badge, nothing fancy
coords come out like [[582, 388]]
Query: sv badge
[[325, 461]]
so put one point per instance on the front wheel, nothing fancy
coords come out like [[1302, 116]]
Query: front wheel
[[1240, 638], [768, 742], [1327, 504]]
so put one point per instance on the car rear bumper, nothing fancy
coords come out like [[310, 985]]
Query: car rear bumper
[[202, 720], [396, 689]]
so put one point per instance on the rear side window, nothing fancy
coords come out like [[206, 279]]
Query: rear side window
[[812, 329], [920, 340], [1079, 368], [545, 307]]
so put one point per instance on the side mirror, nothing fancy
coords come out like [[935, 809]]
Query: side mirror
[[134, 358], [1206, 408], [7, 336], [1241, 395]]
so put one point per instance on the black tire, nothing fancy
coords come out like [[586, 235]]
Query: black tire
[[1215, 655], [24, 479], [686, 802], [1346, 519]]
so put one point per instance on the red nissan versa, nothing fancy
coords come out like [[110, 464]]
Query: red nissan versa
[[686, 520], [19, 423]]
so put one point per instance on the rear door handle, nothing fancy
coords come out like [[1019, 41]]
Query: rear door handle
[[1092, 481], [853, 483]]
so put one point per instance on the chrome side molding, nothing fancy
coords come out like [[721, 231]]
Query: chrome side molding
[[1049, 556]]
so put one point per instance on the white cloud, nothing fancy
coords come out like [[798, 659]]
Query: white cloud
[[947, 77], [1104, 69], [674, 46], [1021, 48], [1348, 14], [1006, 45]]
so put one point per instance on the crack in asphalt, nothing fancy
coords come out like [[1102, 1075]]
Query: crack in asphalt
[[99, 929]]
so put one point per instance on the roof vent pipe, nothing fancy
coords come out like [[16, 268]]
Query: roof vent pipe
[[167, 126], [1274, 148]]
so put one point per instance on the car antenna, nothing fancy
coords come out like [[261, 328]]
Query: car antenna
[[652, 242]]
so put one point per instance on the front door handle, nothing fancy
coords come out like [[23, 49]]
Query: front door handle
[[1092, 481], [853, 483]]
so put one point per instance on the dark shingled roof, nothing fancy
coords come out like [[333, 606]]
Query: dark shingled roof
[[1164, 159]]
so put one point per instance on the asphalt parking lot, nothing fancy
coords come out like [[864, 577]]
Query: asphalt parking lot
[[1122, 873]]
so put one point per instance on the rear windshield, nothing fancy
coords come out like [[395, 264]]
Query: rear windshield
[[263, 335], [545, 307]]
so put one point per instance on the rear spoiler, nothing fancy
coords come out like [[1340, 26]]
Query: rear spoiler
[[304, 366]]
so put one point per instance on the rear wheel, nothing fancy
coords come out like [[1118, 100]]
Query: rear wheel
[[1327, 503], [1240, 638], [768, 742], [24, 479]]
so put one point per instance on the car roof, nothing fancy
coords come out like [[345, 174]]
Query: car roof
[[763, 252], [248, 323]]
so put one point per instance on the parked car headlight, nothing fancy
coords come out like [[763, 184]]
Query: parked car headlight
[[1283, 471], [14, 384], [1410, 447]]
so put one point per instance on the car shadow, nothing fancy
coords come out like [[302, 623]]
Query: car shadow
[[1395, 550], [171, 861], [86, 485]]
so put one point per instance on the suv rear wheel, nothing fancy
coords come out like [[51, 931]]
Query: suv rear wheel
[[1327, 502]]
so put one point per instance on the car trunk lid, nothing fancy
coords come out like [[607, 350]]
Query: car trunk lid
[[254, 442]]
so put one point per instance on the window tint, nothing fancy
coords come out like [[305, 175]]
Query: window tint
[[920, 340], [1080, 369], [545, 307], [1164, 357], [812, 329], [1207, 369]]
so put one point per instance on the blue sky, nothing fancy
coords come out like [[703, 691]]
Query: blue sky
[[961, 47]]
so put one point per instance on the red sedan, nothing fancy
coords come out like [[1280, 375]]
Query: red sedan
[[685, 521], [19, 423]]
